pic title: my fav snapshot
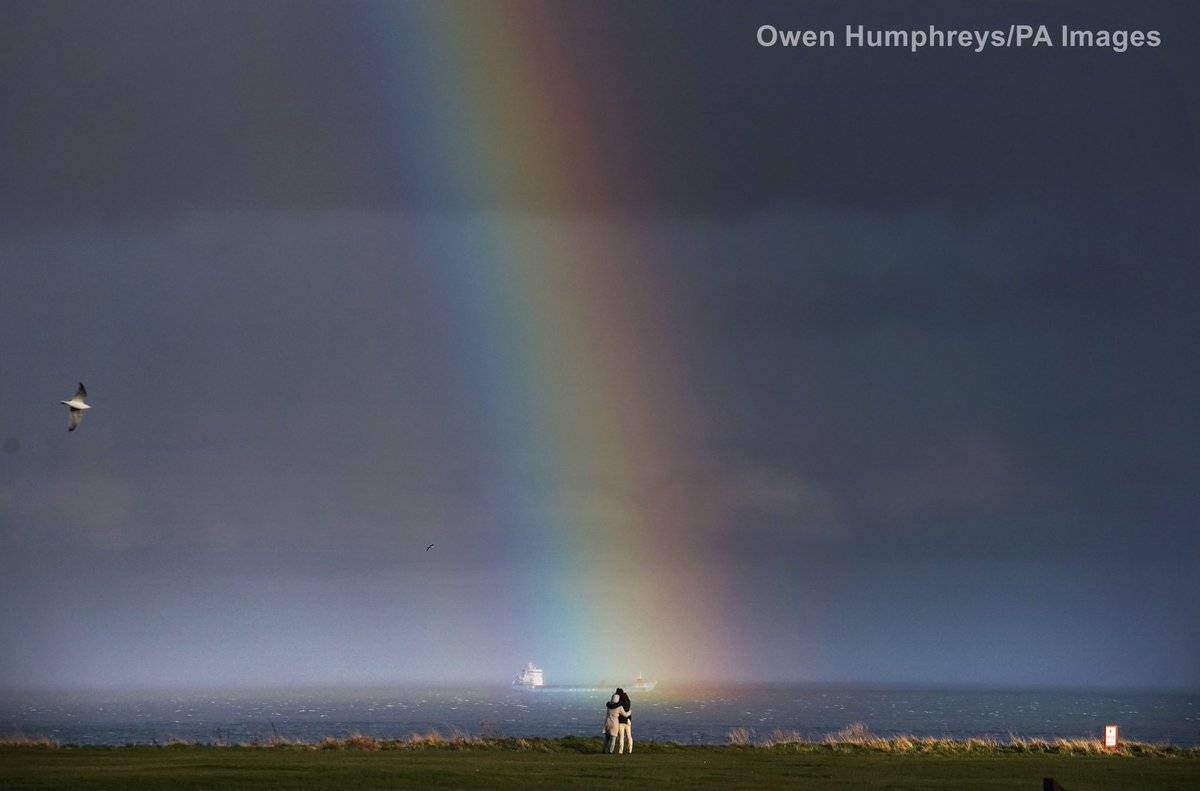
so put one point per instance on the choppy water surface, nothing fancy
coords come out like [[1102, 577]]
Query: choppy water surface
[[687, 715]]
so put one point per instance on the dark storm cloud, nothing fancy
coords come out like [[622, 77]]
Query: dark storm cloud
[[993, 381], [137, 110]]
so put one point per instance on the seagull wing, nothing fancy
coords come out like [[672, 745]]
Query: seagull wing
[[76, 418], [429, 547], [81, 392]]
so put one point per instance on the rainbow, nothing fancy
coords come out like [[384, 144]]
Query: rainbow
[[576, 342]]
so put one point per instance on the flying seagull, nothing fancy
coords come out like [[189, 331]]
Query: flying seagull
[[77, 405], [429, 547]]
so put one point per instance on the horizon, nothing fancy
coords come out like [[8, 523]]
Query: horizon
[[585, 685]]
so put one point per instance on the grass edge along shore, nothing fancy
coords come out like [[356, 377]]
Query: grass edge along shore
[[855, 738], [431, 760]]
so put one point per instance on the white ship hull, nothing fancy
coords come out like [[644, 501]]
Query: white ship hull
[[530, 677]]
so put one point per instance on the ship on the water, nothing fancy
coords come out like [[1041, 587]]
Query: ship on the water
[[530, 677], [533, 677]]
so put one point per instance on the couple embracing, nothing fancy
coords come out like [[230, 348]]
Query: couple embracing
[[618, 723]]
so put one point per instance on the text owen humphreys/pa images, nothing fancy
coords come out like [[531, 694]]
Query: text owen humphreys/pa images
[[976, 40]]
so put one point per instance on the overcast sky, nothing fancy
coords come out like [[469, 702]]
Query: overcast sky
[[936, 314]]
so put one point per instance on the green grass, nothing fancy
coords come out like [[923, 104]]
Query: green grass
[[577, 763]]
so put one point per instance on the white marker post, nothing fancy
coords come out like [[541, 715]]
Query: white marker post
[[1110, 737]]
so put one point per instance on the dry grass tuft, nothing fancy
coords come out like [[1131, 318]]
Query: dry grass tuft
[[20, 740], [854, 733], [281, 743], [461, 740], [780, 738], [457, 739], [740, 737], [360, 741], [355, 741], [423, 740]]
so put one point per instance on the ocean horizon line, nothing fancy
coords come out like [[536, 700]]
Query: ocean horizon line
[[681, 684]]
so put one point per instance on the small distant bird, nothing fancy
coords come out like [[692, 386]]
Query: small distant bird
[[429, 547], [77, 405]]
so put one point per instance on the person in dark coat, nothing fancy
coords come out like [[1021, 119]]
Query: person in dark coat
[[624, 722]]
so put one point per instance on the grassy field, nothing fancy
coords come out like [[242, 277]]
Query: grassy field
[[579, 764]]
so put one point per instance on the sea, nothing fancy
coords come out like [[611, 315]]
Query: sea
[[685, 715]]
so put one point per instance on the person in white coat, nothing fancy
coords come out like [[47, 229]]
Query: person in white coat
[[612, 724]]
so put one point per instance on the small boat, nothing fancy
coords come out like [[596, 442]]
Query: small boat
[[642, 685], [530, 677]]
